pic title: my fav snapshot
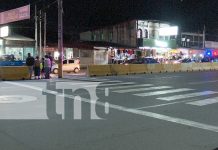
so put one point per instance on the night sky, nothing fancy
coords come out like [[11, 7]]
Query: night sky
[[82, 15]]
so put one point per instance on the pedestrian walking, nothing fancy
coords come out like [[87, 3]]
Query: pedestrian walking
[[30, 62], [37, 68], [47, 65]]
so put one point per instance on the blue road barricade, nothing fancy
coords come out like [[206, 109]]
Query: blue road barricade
[[12, 63]]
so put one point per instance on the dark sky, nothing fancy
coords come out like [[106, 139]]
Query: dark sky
[[82, 15]]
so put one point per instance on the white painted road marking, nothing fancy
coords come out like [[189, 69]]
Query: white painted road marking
[[203, 82], [126, 83], [205, 102], [143, 89], [165, 104], [182, 96], [139, 112], [163, 92], [128, 86], [8, 99]]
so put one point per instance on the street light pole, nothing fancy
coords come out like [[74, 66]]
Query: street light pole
[[40, 34], [60, 38], [45, 32], [36, 30]]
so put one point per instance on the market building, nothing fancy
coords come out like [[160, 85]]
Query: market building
[[17, 45], [151, 38]]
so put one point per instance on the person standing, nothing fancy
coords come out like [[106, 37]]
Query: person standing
[[51, 59], [42, 68], [47, 65], [30, 62], [37, 68]]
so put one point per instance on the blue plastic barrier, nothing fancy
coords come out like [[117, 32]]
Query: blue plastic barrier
[[12, 63]]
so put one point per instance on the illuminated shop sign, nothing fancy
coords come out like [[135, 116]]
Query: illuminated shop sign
[[13, 15], [4, 31], [167, 31]]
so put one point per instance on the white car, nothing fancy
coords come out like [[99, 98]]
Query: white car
[[69, 65]]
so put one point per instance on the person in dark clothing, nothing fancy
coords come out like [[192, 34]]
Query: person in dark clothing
[[37, 67], [30, 62]]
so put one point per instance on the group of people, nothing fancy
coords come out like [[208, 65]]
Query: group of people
[[41, 68]]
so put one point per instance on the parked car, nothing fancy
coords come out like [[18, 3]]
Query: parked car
[[69, 65], [205, 59], [187, 60]]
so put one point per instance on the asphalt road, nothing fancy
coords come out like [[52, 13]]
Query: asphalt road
[[170, 111]]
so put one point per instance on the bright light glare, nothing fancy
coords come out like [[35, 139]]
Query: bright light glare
[[4, 31], [167, 31], [56, 54], [160, 43]]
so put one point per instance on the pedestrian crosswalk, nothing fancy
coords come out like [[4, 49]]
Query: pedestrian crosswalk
[[161, 93], [164, 93], [183, 96], [91, 79], [204, 102], [143, 89]]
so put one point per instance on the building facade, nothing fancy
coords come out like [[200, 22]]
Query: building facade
[[17, 45], [151, 37], [135, 33], [192, 40]]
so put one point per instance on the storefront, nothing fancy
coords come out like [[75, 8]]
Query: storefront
[[160, 49], [117, 55], [18, 46], [1, 46], [68, 52]]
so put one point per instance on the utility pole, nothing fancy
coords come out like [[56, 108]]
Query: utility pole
[[36, 30], [40, 34], [60, 38], [45, 32]]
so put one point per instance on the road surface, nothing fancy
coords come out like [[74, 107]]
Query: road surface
[[170, 111]]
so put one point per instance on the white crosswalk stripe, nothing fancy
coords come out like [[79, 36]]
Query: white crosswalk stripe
[[127, 86], [93, 79], [204, 102], [142, 89], [151, 90], [183, 96], [163, 92], [112, 84]]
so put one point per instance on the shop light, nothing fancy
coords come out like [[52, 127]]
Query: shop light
[[167, 31], [56, 54], [4, 31], [161, 43], [145, 47]]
